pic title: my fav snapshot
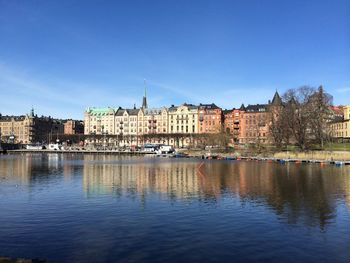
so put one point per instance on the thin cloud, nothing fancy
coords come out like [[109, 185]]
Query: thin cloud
[[17, 86], [343, 90]]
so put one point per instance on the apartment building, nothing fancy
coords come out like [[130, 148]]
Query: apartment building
[[210, 118], [341, 128], [183, 119], [28, 128]]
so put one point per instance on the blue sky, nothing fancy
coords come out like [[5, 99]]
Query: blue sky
[[63, 56]]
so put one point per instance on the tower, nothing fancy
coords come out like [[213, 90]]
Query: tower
[[276, 101], [32, 112], [144, 100]]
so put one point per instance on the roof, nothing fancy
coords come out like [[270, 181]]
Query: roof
[[208, 106], [153, 111], [173, 108], [225, 111], [190, 106], [120, 112], [10, 118], [256, 108], [133, 111], [101, 111], [276, 101]]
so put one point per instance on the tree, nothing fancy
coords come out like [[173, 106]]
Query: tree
[[320, 115], [304, 117]]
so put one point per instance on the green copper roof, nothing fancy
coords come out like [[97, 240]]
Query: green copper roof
[[101, 111]]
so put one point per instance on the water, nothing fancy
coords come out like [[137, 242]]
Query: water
[[75, 208]]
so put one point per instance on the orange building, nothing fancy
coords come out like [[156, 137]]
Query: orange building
[[228, 121], [255, 121], [73, 127], [232, 122], [255, 124], [210, 118]]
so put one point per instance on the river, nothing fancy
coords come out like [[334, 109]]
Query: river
[[96, 208]]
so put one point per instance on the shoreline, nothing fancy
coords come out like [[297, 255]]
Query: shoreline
[[337, 158]]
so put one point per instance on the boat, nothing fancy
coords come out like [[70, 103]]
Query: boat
[[165, 149], [55, 146], [35, 147], [180, 155]]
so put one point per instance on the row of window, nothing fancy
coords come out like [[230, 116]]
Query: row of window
[[339, 126]]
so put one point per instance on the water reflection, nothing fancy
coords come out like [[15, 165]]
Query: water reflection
[[306, 194]]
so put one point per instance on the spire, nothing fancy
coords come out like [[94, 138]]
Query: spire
[[32, 112], [144, 100], [242, 108], [276, 101]]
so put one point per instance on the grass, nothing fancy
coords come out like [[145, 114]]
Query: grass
[[337, 147]]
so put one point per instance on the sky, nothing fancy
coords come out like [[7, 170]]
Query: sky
[[61, 57]]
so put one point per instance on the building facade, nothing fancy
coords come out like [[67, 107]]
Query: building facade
[[72, 127], [210, 118], [29, 128], [341, 127], [181, 125], [183, 119], [254, 124]]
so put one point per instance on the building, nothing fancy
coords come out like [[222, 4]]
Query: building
[[232, 123], [16, 129], [210, 118], [228, 121], [125, 126], [28, 128], [254, 124], [340, 128], [182, 125], [337, 112], [183, 119], [153, 121], [72, 127]]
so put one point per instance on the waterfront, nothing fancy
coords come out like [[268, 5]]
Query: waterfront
[[105, 208]]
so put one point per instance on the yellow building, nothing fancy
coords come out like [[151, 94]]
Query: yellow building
[[132, 127], [153, 121], [16, 128], [346, 112], [183, 119], [341, 129], [29, 128], [100, 120]]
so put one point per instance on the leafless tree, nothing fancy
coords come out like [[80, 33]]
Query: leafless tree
[[304, 117], [320, 115]]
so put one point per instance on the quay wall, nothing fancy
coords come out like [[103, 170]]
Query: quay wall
[[314, 155]]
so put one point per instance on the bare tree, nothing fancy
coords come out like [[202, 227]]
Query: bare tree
[[320, 115], [298, 113], [304, 117]]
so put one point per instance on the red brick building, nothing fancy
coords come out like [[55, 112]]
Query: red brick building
[[232, 122], [73, 127], [210, 118]]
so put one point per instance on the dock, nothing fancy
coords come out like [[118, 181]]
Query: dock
[[111, 152], [227, 158]]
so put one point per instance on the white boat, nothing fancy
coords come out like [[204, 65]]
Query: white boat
[[34, 147], [165, 149], [55, 146]]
